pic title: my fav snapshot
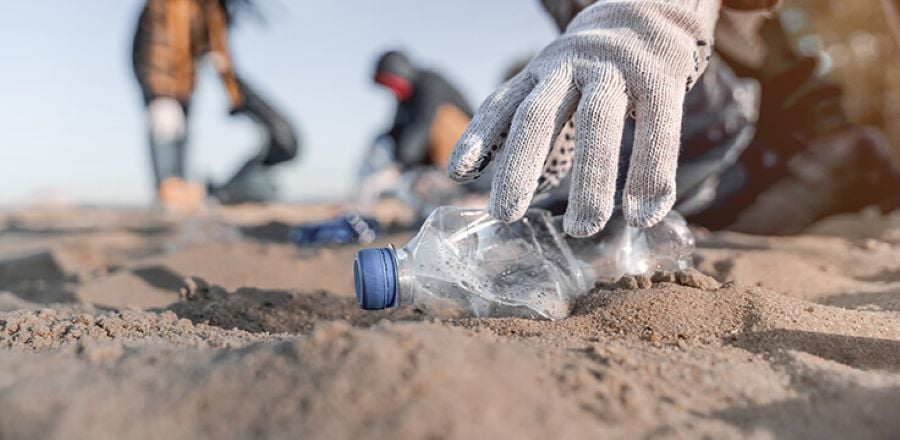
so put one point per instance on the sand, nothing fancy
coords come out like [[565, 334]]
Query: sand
[[128, 324]]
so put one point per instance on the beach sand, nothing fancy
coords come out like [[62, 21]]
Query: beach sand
[[128, 324]]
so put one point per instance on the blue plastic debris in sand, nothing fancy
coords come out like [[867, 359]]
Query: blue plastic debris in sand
[[350, 229]]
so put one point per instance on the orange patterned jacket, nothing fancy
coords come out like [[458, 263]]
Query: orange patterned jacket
[[171, 36]]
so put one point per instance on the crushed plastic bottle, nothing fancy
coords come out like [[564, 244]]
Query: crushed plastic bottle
[[465, 263]]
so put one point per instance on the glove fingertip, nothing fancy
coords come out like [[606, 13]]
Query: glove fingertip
[[469, 160], [506, 209], [580, 227], [645, 213], [459, 174]]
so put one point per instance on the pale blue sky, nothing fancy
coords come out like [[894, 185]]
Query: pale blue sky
[[71, 120]]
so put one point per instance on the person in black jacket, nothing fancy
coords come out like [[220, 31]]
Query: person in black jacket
[[409, 161], [431, 113]]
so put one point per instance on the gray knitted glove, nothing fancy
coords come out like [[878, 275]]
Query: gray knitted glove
[[617, 57]]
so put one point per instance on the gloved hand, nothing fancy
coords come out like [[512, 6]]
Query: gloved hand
[[617, 57]]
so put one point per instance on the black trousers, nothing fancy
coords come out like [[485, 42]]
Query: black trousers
[[280, 142]]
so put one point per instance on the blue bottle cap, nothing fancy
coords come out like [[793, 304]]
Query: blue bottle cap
[[375, 273]]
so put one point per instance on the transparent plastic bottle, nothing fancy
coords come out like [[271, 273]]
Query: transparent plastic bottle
[[464, 263]]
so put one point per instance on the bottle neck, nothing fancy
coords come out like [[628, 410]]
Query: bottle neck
[[406, 285]]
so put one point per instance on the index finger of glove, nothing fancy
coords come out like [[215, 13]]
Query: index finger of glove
[[484, 136]]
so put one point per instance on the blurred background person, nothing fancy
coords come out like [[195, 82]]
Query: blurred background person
[[808, 159], [410, 159], [431, 113], [406, 164], [172, 37]]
